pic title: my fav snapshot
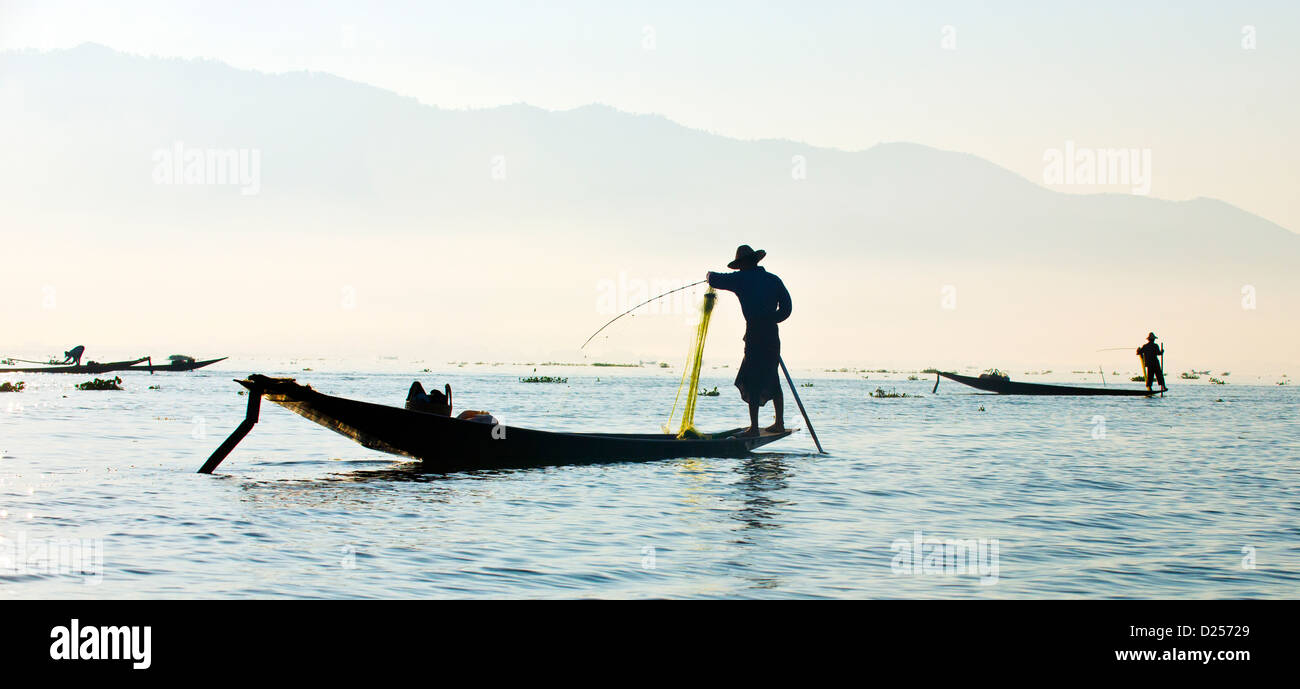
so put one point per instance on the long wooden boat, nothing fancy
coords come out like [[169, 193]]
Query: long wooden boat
[[445, 443], [90, 367], [1005, 386], [175, 365]]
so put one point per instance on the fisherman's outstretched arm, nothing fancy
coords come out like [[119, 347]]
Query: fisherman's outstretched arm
[[725, 281]]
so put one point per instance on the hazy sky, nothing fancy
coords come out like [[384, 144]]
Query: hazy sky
[[1215, 100], [1208, 90]]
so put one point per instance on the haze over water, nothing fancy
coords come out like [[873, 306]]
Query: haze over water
[[1156, 498]]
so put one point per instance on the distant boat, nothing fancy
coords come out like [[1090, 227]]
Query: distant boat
[[1003, 385], [89, 367], [177, 362], [446, 443]]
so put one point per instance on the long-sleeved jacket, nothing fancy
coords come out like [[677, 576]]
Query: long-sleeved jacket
[[763, 297]]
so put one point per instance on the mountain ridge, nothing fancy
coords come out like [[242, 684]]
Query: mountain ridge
[[572, 197]]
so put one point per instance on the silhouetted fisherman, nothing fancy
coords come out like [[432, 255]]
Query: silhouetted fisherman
[[73, 356], [765, 302], [1150, 353]]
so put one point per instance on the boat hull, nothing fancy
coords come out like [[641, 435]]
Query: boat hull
[[107, 367], [187, 366], [1009, 387], [445, 443]]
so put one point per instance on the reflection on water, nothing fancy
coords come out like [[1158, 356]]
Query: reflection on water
[[1161, 505], [762, 480]]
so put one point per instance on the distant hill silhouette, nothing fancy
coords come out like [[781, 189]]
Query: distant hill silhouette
[[82, 125]]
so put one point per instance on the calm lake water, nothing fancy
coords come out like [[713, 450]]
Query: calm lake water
[[1193, 495]]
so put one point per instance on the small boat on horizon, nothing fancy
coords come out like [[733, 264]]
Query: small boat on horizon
[[176, 362], [1002, 384], [88, 367]]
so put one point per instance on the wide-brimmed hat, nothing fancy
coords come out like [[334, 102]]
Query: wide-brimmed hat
[[745, 255], [1151, 336]]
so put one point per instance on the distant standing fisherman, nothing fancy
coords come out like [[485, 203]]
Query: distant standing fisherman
[[1150, 353], [765, 302], [73, 356]]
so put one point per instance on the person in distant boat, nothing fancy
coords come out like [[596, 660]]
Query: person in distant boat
[[1150, 353], [765, 302], [435, 402], [73, 356]]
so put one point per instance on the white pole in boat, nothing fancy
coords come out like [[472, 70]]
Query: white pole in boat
[[799, 402]]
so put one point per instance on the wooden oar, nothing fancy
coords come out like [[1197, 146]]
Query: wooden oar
[[799, 402], [1162, 369]]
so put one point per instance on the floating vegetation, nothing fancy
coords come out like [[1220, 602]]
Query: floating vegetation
[[890, 394], [1190, 375], [155, 387], [114, 383], [1138, 379], [981, 407], [602, 363], [1217, 381], [709, 393], [913, 377], [12, 387], [663, 365], [543, 379], [806, 385], [929, 370]]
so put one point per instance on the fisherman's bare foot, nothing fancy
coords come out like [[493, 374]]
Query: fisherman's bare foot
[[750, 432], [775, 428]]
